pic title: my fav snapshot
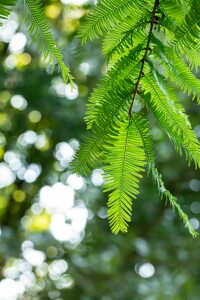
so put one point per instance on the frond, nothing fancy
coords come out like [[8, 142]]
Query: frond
[[187, 34], [124, 163], [143, 129], [109, 100], [157, 178], [139, 36], [127, 35], [106, 15], [177, 70], [175, 9], [92, 152], [6, 8], [170, 114], [89, 156], [116, 86], [41, 34], [193, 57]]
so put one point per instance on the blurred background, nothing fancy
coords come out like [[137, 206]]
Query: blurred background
[[55, 241]]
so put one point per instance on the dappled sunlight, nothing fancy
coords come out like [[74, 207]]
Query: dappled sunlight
[[58, 199], [11, 289], [17, 164], [54, 227], [76, 182], [195, 207], [97, 177], [18, 102], [35, 116], [194, 185], [32, 172], [195, 223], [75, 2], [68, 220], [64, 90], [34, 257], [7, 176], [13, 159], [72, 230], [64, 153], [17, 43], [27, 138], [70, 93], [145, 270], [57, 267], [9, 28]]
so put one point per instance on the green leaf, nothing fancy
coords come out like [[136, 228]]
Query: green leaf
[[106, 15], [124, 163], [41, 34], [170, 114], [177, 70], [143, 129], [6, 8], [187, 34], [164, 193]]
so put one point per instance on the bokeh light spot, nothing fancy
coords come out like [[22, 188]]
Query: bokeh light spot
[[4, 96], [11, 61], [76, 182], [57, 267], [64, 282], [52, 11], [194, 185], [32, 173], [97, 177], [75, 2], [2, 139], [19, 196], [70, 93], [36, 209], [146, 270], [34, 257], [58, 198], [27, 138], [17, 43], [7, 176], [195, 207], [9, 28], [23, 60], [64, 153], [10, 289], [34, 116], [51, 251], [195, 223]]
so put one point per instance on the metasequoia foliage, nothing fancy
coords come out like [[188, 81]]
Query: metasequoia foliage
[[39, 30], [152, 47]]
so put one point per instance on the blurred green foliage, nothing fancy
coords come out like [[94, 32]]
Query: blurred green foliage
[[54, 235]]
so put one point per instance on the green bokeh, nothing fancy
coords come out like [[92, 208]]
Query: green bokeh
[[100, 264]]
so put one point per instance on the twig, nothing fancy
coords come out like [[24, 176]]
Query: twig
[[147, 48]]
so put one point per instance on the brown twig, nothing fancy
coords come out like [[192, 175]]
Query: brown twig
[[147, 48]]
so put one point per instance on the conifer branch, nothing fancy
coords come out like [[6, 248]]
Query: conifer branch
[[120, 142]]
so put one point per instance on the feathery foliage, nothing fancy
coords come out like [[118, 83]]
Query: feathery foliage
[[40, 33], [124, 162], [152, 46], [5, 8]]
